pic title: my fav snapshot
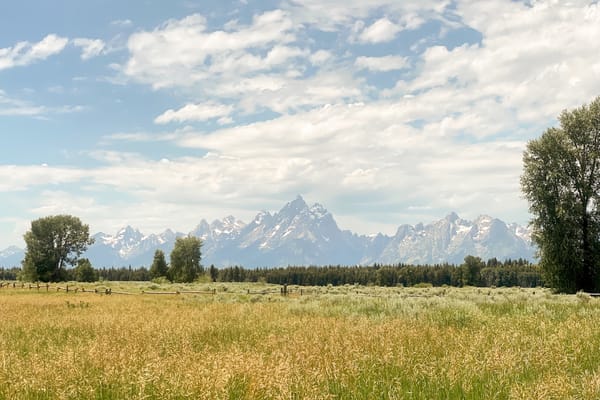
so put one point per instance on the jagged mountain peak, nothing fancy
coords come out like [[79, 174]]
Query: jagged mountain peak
[[452, 217], [203, 226], [128, 231], [229, 228], [294, 207], [261, 217]]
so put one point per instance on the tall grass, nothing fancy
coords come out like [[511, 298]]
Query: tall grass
[[336, 343]]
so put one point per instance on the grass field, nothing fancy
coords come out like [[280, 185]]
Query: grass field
[[330, 343]]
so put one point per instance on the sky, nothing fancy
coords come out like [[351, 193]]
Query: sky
[[157, 114]]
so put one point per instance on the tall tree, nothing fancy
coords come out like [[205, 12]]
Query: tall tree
[[185, 260], [53, 243], [471, 271], [159, 265], [561, 181], [213, 272]]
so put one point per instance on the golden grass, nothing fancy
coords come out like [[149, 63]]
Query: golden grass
[[336, 343]]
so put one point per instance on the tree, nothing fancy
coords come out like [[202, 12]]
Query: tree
[[561, 181], [53, 243], [159, 265], [471, 271], [84, 272], [214, 273], [185, 260]]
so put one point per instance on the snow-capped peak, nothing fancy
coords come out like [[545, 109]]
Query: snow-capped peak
[[294, 207]]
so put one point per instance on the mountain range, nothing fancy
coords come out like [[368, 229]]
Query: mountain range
[[300, 234]]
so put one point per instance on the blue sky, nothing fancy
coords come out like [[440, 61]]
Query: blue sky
[[157, 114]]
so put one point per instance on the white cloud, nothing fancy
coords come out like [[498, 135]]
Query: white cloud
[[55, 202], [122, 22], [254, 67], [50, 45], [320, 57], [25, 53], [283, 95], [139, 137], [90, 47], [195, 112], [533, 60], [385, 63], [18, 178], [15, 107], [345, 150], [179, 52], [23, 110], [334, 15], [382, 30]]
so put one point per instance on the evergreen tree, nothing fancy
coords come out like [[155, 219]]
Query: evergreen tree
[[214, 273], [159, 265]]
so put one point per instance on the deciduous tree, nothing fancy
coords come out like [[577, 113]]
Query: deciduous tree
[[185, 260], [53, 243], [84, 272], [561, 181]]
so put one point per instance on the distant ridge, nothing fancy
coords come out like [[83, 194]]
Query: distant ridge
[[300, 234]]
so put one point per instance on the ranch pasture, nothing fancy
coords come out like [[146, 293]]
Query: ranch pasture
[[247, 341]]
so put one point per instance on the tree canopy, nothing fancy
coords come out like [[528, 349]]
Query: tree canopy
[[185, 259], [561, 181], [53, 243]]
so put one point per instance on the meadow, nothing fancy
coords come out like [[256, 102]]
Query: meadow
[[348, 342]]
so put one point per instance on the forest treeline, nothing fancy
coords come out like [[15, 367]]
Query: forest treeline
[[473, 272]]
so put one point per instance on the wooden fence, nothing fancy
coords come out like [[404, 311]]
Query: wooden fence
[[284, 290], [75, 289]]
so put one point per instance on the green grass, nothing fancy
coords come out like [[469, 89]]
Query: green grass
[[345, 342]]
